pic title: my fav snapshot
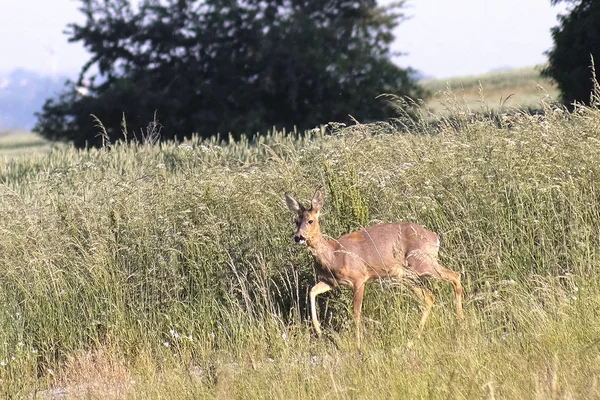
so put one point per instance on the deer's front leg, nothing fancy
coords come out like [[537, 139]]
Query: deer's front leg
[[320, 287]]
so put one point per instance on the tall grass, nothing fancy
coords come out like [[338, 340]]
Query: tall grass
[[168, 271]]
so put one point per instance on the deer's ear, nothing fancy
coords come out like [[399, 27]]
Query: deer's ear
[[317, 201], [293, 205]]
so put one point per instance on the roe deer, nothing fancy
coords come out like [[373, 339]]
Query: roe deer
[[403, 251]]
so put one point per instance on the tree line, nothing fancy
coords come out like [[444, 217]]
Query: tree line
[[223, 66], [233, 67]]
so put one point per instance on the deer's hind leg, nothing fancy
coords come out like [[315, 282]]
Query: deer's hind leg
[[424, 265], [426, 298], [359, 292], [454, 278]]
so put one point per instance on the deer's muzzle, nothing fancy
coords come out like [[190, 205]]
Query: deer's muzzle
[[299, 239]]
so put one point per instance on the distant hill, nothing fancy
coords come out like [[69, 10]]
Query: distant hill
[[22, 93], [516, 88]]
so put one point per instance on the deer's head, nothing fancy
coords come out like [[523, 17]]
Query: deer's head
[[307, 223]]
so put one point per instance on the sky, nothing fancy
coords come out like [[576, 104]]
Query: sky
[[445, 38], [442, 38]]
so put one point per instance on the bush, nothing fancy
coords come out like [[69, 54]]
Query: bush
[[575, 40]]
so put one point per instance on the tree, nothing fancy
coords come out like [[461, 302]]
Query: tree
[[221, 66], [575, 39]]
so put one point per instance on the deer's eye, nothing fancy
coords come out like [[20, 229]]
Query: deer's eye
[[310, 221]]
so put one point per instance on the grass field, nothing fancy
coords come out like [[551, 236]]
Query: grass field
[[21, 142], [520, 88], [168, 271]]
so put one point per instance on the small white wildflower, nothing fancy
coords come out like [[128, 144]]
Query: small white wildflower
[[190, 338], [185, 147], [13, 358], [166, 344], [2, 363], [574, 297], [50, 371], [211, 335], [576, 289], [161, 166], [20, 344], [284, 335], [174, 333]]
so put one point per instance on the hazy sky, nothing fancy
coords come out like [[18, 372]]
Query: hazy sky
[[443, 38]]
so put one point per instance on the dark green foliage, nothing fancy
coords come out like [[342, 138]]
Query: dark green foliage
[[576, 40], [221, 66]]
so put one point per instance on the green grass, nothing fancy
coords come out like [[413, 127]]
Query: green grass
[[515, 88], [168, 271]]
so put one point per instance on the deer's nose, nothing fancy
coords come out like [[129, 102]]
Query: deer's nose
[[299, 238]]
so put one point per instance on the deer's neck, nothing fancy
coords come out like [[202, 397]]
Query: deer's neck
[[321, 250]]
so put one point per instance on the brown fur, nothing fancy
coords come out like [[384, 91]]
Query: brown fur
[[403, 251]]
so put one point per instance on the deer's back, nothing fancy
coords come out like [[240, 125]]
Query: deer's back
[[382, 249]]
